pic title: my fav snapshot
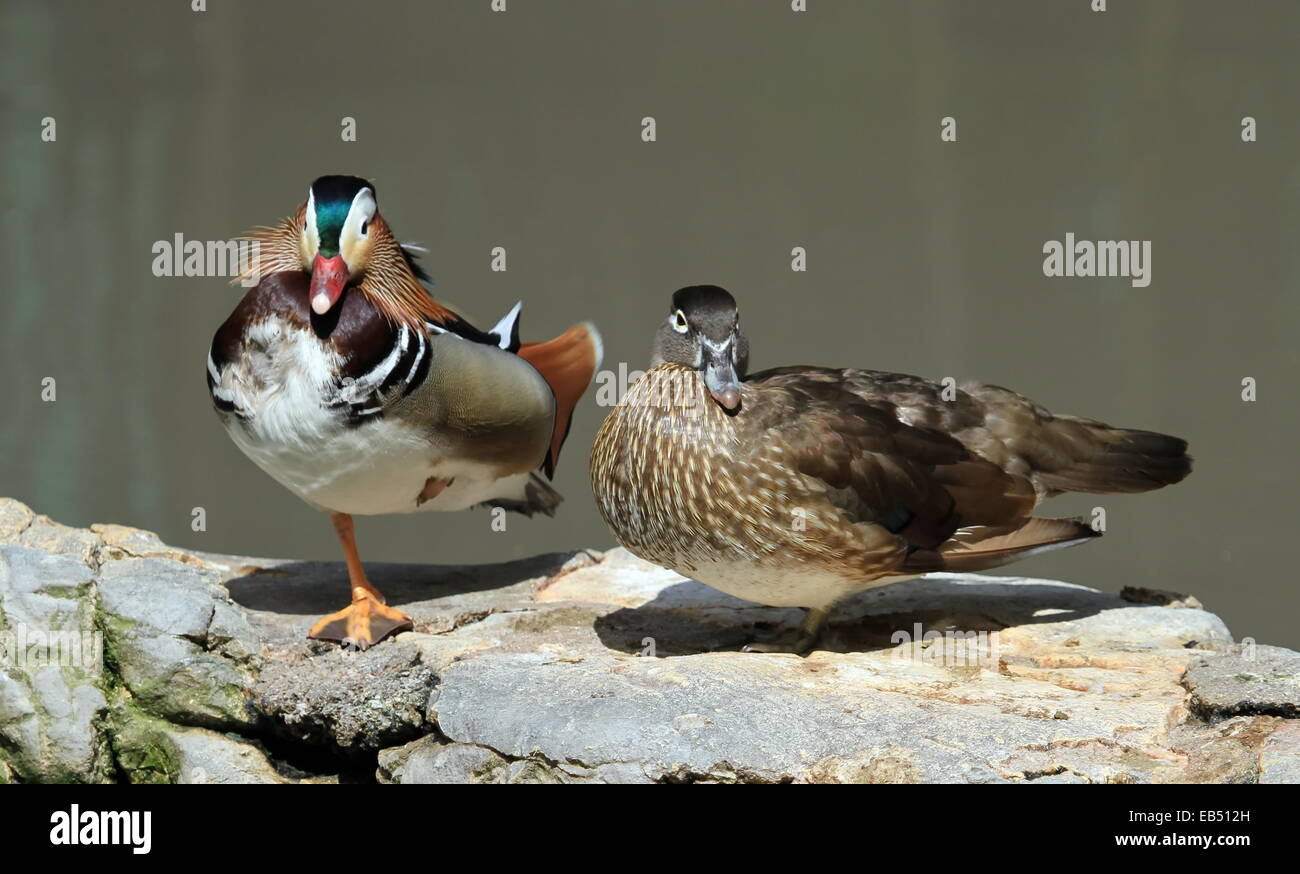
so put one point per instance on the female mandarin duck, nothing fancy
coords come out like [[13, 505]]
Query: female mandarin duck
[[344, 380], [799, 486]]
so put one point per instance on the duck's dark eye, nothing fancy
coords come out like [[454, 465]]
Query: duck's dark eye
[[364, 225], [679, 322]]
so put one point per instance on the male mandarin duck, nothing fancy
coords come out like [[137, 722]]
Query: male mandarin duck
[[800, 486], [344, 380]]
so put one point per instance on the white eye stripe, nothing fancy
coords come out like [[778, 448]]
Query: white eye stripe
[[360, 213], [362, 209], [678, 321], [366, 208], [310, 235]]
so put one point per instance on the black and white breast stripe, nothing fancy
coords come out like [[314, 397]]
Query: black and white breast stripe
[[397, 374], [223, 398], [398, 370], [407, 364]]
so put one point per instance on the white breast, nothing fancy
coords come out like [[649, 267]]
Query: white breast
[[284, 379]]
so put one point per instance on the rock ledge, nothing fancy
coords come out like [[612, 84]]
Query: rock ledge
[[599, 668]]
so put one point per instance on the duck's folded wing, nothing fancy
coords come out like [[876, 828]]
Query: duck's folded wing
[[894, 451], [919, 483], [1055, 453]]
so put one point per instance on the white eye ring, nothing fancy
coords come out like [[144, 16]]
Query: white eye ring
[[678, 321]]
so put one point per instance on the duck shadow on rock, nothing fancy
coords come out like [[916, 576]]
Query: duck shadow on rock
[[317, 587], [689, 618]]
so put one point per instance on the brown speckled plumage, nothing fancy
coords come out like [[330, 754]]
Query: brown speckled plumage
[[682, 483], [845, 478]]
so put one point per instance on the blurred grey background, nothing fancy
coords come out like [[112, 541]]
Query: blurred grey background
[[775, 129]]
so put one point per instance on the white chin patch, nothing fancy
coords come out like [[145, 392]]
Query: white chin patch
[[320, 304]]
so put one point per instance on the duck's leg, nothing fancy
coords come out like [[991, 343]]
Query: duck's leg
[[803, 640], [367, 620]]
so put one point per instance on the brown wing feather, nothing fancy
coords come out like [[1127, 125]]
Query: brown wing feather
[[979, 549], [918, 482], [968, 466], [1070, 453], [1054, 453]]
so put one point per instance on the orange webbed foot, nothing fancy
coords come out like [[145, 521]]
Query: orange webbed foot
[[362, 624]]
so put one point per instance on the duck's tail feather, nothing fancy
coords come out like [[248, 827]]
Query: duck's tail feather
[[1121, 460]]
